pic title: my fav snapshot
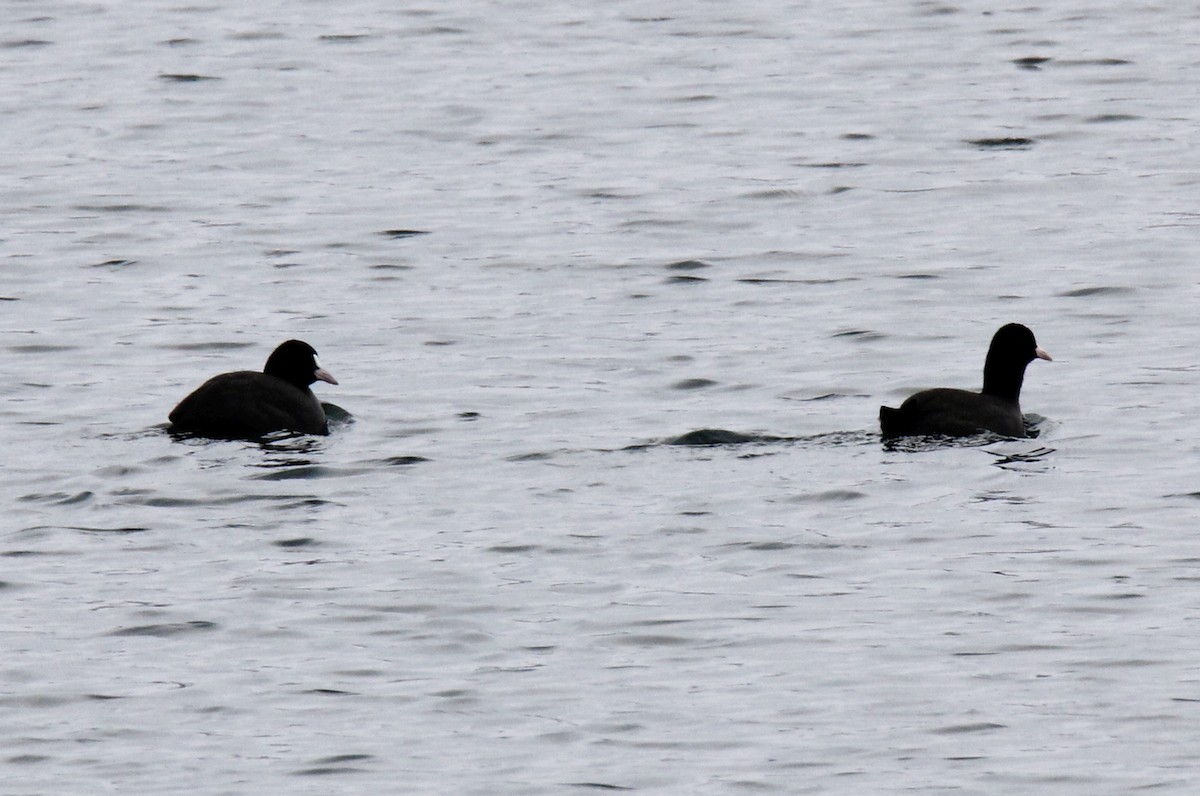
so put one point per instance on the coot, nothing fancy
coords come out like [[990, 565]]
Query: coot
[[958, 413], [246, 404]]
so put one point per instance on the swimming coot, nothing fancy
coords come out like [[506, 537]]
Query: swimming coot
[[246, 404], [959, 413]]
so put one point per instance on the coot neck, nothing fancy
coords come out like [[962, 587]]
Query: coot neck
[[1002, 377]]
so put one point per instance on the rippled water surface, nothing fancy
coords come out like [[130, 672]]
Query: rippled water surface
[[536, 242]]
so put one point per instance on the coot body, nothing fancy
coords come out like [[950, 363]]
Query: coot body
[[959, 413], [247, 404]]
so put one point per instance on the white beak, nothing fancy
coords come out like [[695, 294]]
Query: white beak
[[320, 374]]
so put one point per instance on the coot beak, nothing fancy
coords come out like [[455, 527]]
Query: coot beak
[[320, 374], [1037, 352]]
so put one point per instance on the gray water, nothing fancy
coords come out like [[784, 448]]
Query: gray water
[[636, 221]]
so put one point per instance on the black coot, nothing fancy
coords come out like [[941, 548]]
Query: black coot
[[958, 413], [246, 404]]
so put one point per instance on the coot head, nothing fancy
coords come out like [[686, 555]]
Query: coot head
[[296, 362], [1012, 348]]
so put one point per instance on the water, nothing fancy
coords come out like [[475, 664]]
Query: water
[[638, 223]]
